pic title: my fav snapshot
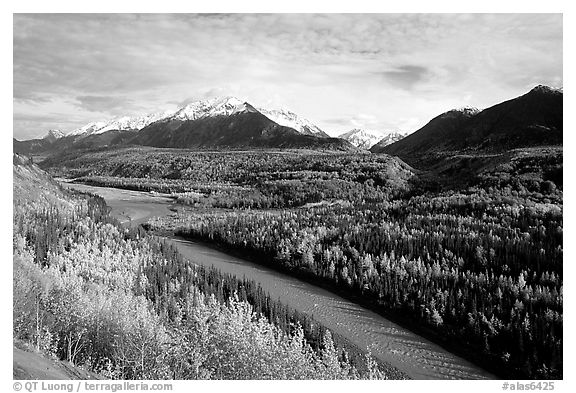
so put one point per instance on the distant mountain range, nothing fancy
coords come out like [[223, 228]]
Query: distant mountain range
[[225, 122], [533, 119], [365, 139]]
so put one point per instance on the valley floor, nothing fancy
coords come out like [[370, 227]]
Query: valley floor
[[411, 354], [468, 255]]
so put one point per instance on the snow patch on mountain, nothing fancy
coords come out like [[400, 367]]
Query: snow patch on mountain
[[547, 89], [125, 123], [88, 129], [465, 110], [290, 119]]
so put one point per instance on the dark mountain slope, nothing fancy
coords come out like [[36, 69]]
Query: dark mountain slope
[[432, 136], [38, 145], [108, 138], [31, 146], [240, 130], [530, 120], [248, 129], [534, 119]]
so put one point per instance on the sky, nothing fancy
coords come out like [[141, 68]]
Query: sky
[[383, 72]]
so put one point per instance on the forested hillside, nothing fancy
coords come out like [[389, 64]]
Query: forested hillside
[[271, 179], [474, 264], [126, 305]]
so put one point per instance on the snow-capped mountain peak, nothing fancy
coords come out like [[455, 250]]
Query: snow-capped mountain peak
[[221, 106], [289, 119], [53, 134], [195, 110], [391, 138], [364, 139]]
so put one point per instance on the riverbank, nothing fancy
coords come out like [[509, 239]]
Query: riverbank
[[469, 353]]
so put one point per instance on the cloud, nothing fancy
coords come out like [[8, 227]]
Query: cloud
[[322, 66], [107, 104], [184, 102], [359, 120], [406, 76], [31, 97], [35, 125], [339, 121]]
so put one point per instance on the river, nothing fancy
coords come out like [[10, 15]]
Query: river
[[416, 356]]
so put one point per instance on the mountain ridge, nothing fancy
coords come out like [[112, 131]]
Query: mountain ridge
[[241, 128], [532, 119], [223, 122], [228, 122]]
